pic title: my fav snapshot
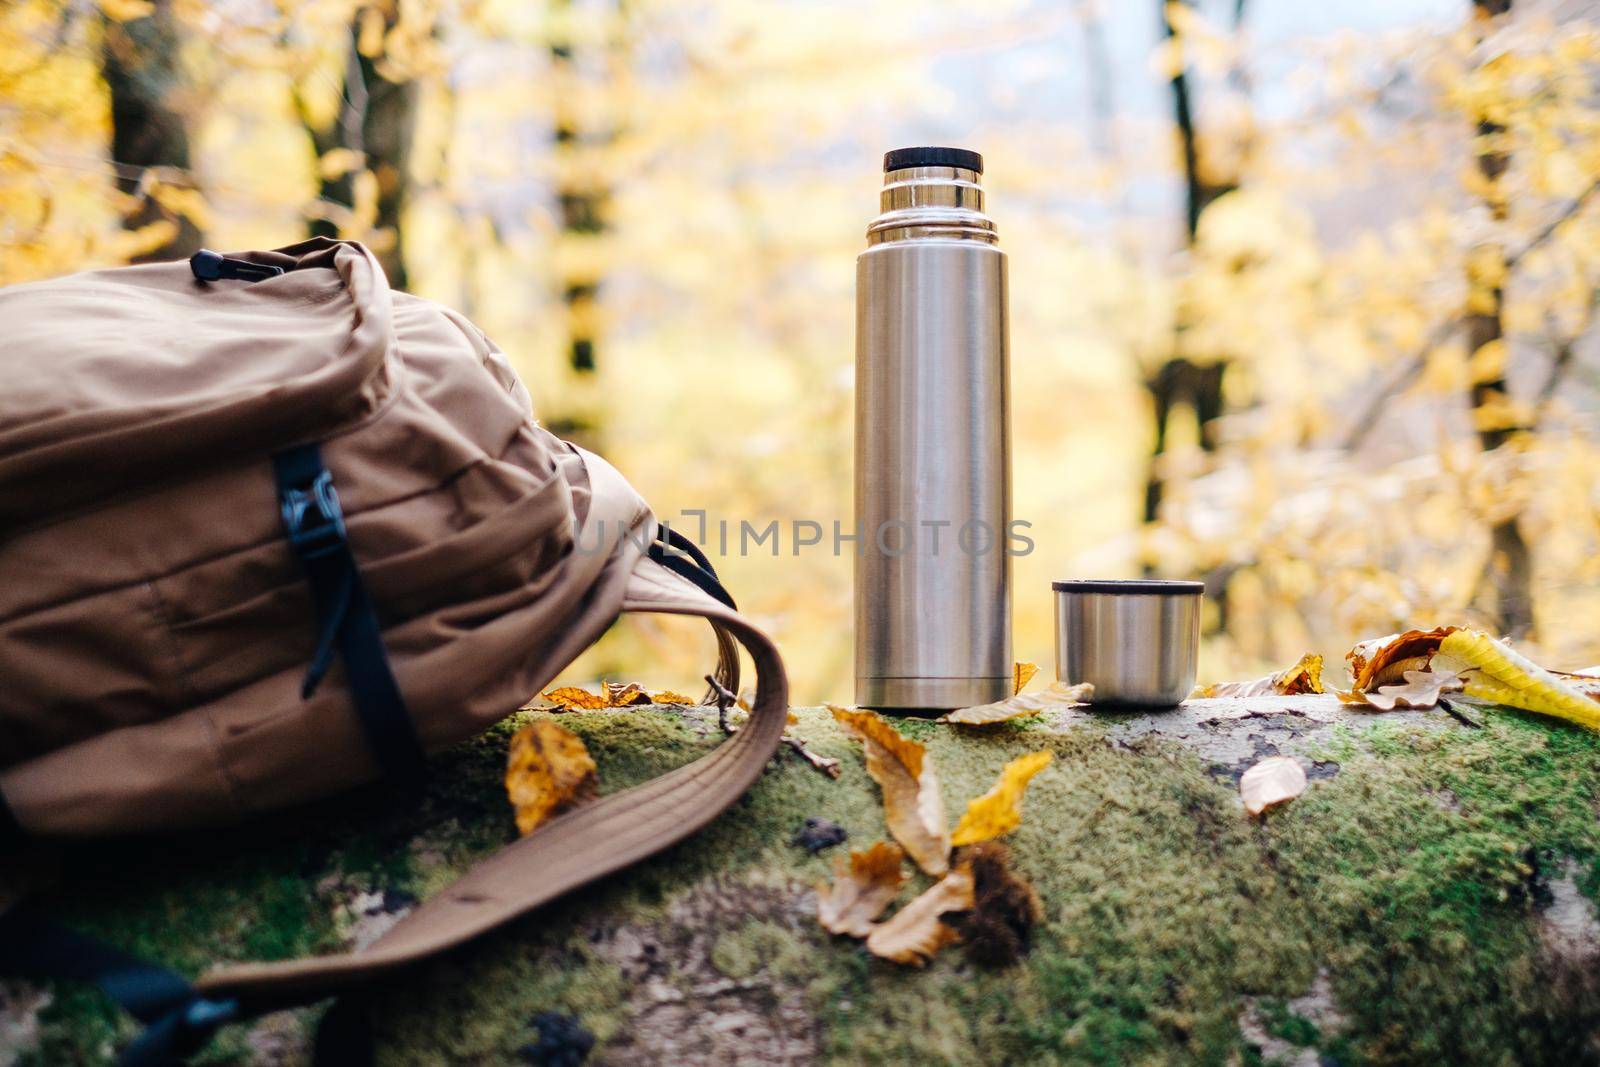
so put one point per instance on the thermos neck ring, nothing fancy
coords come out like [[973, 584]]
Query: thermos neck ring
[[931, 203]]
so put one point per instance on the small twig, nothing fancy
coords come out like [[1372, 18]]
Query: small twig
[[1458, 715], [725, 700], [827, 765]]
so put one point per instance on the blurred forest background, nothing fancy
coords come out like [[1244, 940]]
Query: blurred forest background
[[1303, 294]]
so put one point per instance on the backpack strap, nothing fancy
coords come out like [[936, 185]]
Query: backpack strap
[[570, 851], [314, 524]]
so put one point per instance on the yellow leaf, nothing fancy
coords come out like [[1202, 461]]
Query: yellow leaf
[[1304, 676], [1493, 671], [1488, 363], [1057, 695], [667, 696], [337, 162], [126, 10], [862, 887], [999, 810], [548, 770], [915, 932], [1275, 780], [913, 807], [1021, 675]]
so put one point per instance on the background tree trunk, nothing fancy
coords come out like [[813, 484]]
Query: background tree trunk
[[1508, 577], [139, 60], [377, 120], [1180, 382]]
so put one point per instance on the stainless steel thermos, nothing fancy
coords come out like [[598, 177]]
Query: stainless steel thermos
[[933, 462]]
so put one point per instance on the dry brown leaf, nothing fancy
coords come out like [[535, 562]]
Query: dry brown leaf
[[1056, 695], [915, 932], [667, 696], [1379, 661], [912, 804], [1305, 676], [1005, 907], [548, 770], [1422, 689], [571, 698], [862, 887], [625, 694], [999, 810], [1021, 675], [1273, 781]]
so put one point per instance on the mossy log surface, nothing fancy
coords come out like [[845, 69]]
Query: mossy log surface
[[1428, 899]]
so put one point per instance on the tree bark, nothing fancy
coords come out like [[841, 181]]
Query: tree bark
[[1509, 575], [149, 134]]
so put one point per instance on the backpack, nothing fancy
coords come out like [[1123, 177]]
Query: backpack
[[269, 530]]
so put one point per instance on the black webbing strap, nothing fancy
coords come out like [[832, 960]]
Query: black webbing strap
[[177, 1020], [11, 834], [314, 524], [682, 556]]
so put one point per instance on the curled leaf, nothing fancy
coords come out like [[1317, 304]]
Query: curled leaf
[[625, 694], [1494, 671], [1021, 675], [1304, 676], [999, 810], [917, 931], [862, 887], [1056, 695], [548, 770], [1384, 660], [1275, 780], [913, 807]]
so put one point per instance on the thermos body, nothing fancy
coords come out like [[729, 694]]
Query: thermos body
[[933, 470]]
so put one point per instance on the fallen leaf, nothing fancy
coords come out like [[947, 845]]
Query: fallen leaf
[[917, 931], [999, 811], [912, 804], [625, 694], [1273, 781], [1383, 660], [1422, 689], [862, 887], [1495, 672], [1056, 695], [1005, 908], [667, 696], [548, 770], [793, 720], [1305, 676], [571, 698], [1021, 675]]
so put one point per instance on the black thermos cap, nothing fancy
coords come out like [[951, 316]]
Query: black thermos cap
[[929, 156]]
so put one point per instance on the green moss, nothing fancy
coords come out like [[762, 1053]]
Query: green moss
[[1412, 877]]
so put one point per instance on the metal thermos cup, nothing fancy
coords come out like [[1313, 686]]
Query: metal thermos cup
[[933, 457], [1137, 641]]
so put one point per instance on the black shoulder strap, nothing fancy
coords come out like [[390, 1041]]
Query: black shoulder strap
[[314, 524]]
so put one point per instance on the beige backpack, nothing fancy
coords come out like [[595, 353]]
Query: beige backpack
[[269, 530]]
